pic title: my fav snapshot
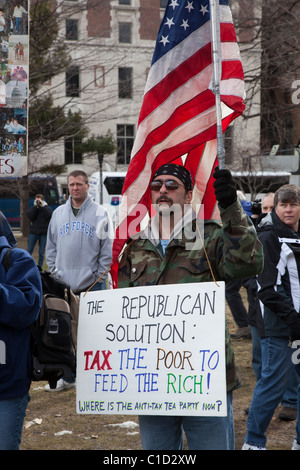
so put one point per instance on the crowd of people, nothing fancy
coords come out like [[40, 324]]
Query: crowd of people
[[259, 249]]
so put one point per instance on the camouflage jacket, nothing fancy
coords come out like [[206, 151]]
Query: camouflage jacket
[[232, 248]]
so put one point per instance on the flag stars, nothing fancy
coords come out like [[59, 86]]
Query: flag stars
[[174, 4], [164, 40], [185, 24], [190, 6], [204, 9], [170, 22]]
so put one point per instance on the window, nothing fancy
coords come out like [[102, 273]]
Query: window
[[72, 82], [125, 32], [125, 82], [72, 30], [72, 155], [125, 139], [163, 3], [124, 2]]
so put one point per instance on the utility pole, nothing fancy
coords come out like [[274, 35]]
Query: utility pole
[[100, 160]]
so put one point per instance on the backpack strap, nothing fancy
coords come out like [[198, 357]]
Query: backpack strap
[[6, 260]]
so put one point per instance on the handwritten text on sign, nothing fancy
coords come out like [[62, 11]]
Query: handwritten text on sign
[[152, 350]]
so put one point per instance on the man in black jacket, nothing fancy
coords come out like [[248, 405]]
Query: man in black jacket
[[39, 216], [278, 320]]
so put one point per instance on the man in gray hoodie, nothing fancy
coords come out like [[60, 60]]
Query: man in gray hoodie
[[79, 242]]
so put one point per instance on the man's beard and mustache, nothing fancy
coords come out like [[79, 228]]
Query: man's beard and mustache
[[170, 213], [166, 208]]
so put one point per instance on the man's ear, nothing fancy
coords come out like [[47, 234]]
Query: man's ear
[[189, 196]]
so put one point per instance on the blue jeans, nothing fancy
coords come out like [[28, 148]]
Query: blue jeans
[[236, 304], [298, 407], [33, 238], [18, 23], [270, 388], [101, 285], [12, 414], [256, 352], [290, 395], [202, 433]]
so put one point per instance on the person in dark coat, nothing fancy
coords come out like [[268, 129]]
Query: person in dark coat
[[6, 231], [278, 317], [21, 299], [39, 216]]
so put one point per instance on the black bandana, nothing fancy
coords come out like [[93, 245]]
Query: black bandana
[[179, 172]]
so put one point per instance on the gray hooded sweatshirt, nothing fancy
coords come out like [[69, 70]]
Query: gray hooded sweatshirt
[[79, 248]]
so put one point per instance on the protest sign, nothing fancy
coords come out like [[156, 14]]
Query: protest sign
[[152, 350]]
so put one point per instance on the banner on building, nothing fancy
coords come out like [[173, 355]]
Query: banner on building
[[14, 51], [152, 350]]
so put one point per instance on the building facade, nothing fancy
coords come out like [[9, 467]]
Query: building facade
[[111, 43]]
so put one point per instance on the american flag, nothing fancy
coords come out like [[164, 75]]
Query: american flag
[[177, 121]]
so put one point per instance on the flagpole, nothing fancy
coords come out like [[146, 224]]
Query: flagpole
[[217, 69]]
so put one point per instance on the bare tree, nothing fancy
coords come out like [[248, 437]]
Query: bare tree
[[52, 60], [269, 29], [268, 36], [55, 54]]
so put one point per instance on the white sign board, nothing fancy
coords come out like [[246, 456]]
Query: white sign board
[[152, 350]]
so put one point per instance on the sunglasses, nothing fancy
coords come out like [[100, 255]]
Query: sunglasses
[[171, 185]]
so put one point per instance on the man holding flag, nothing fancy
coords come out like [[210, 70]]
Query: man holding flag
[[174, 164], [171, 250]]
